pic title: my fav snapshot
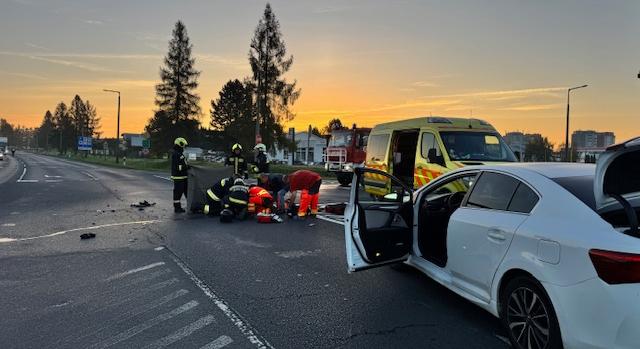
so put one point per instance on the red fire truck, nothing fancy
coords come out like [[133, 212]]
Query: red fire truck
[[347, 149]]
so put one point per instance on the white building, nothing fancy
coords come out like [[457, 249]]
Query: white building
[[315, 150]]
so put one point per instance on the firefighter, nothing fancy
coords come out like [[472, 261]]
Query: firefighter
[[179, 169], [214, 196], [274, 183], [308, 183], [236, 200], [262, 161], [238, 162]]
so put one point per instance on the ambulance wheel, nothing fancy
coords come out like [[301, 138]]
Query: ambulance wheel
[[344, 178]]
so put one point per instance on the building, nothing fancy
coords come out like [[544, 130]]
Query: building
[[315, 151], [590, 144], [518, 141]]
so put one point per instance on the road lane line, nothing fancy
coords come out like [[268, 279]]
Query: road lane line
[[218, 343], [90, 175], [327, 219], [181, 333], [124, 335], [5, 240], [24, 172], [133, 271], [161, 177], [247, 330], [53, 180]]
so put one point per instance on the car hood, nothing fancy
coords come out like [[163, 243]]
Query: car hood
[[618, 173]]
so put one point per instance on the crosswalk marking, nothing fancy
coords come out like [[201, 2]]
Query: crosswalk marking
[[218, 343], [133, 271], [144, 326], [181, 333]]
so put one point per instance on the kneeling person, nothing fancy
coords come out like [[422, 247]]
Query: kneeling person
[[215, 194], [235, 201]]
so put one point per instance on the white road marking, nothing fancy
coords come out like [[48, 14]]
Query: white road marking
[[144, 326], [162, 177], [159, 248], [4, 240], [47, 176], [29, 181], [328, 219], [9, 225], [247, 330], [24, 172], [133, 271], [53, 180], [181, 333], [90, 176], [218, 343]]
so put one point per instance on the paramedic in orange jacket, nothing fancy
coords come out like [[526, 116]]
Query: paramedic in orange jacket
[[259, 200], [308, 182]]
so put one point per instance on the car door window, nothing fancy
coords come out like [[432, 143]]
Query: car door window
[[430, 150], [523, 200], [493, 191]]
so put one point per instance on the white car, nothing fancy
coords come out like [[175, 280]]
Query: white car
[[553, 250]]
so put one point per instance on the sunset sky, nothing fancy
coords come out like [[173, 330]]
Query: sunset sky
[[508, 62]]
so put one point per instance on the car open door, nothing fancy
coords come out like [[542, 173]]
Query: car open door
[[378, 225], [617, 181]]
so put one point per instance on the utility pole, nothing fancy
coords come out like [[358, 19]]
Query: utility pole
[[308, 145], [118, 126], [566, 136]]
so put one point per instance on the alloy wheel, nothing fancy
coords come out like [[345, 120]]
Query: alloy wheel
[[528, 319]]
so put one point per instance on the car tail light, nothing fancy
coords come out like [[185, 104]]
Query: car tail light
[[616, 267]]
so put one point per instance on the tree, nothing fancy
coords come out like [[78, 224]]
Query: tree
[[317, 132], [175, 94], [79, 117], [334, 124], [538, 149], [45, 131], [93, 123], [177, 102], [6, 130], [273, 94], [234, 114], [65, 130]]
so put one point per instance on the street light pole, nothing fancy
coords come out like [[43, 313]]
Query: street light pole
[[566, 136], [118, 126]]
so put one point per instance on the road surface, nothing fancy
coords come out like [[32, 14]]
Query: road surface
[[154, 279]]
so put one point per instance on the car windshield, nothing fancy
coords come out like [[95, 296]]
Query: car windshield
[[476, 146], [340, 139]]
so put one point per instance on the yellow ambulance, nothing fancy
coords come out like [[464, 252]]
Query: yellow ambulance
[[418, 150]]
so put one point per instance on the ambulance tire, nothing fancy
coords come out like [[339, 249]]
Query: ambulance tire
[[344, 178]]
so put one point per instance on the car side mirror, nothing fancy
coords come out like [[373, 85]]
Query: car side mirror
[[434, 158]]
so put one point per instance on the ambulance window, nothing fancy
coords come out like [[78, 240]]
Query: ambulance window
[[377, 147], [429, 142]]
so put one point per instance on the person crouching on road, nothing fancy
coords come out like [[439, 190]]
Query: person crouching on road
[[235, 202], [260, 200], [214, 196], [236, 160], [308, 183], [179, 169], [274, 183]]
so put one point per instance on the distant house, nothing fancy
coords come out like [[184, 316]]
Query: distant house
[[590, 144], [518, 141], [192, 153], [311, 155]]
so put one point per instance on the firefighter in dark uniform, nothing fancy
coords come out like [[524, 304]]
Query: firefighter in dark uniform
[[262, 161], [215, 194], [179, 168], [237, 161], [236, 201]]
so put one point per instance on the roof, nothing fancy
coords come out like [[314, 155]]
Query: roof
[[441, 122], [551, 169]]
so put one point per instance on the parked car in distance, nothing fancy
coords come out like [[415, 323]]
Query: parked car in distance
[[552, 249]]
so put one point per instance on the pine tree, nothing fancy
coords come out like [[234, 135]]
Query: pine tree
[[79, 117], [65, 130], [45, 131], [93, 120], [175, 94], [273, 94], [233, 113]]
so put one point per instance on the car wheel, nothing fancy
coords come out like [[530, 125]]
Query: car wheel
[[344, 178], [528, 315]]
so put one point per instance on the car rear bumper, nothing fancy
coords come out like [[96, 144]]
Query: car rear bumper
[[593, 314]]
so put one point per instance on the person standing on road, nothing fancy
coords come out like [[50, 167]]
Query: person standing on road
[[262, 161], [13, 151], [179, 169], [237, 161], [308, 182], [274, 183]]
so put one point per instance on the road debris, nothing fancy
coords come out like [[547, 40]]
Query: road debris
[[86, 236]]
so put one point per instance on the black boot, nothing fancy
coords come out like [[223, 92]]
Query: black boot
[[177, 208]]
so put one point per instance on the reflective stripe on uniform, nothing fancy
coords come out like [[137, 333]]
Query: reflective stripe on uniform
[[176, 201], [238, 201], [179, 167], [212, 195], [206, 209], [178, 177]]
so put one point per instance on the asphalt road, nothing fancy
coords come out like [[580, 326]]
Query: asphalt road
[[151, 278]]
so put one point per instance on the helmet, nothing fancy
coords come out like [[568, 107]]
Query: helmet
[[260, 147], [181, 142], [238, 181], [226, 216], [236, 146]]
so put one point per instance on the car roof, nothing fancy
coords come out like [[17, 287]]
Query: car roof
[[548, 169], [438, 122]]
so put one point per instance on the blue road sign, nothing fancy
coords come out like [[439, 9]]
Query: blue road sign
[[84, 143]]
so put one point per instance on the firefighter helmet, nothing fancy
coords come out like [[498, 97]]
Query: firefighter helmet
[[260, 147], [181, 142], [238, 181], [236, 146]]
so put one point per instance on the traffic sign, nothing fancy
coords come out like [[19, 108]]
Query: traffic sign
[[85, 143]]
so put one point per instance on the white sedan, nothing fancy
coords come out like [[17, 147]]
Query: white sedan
[[553, 250]]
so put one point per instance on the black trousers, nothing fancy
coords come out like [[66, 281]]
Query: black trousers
[[179, 189]]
